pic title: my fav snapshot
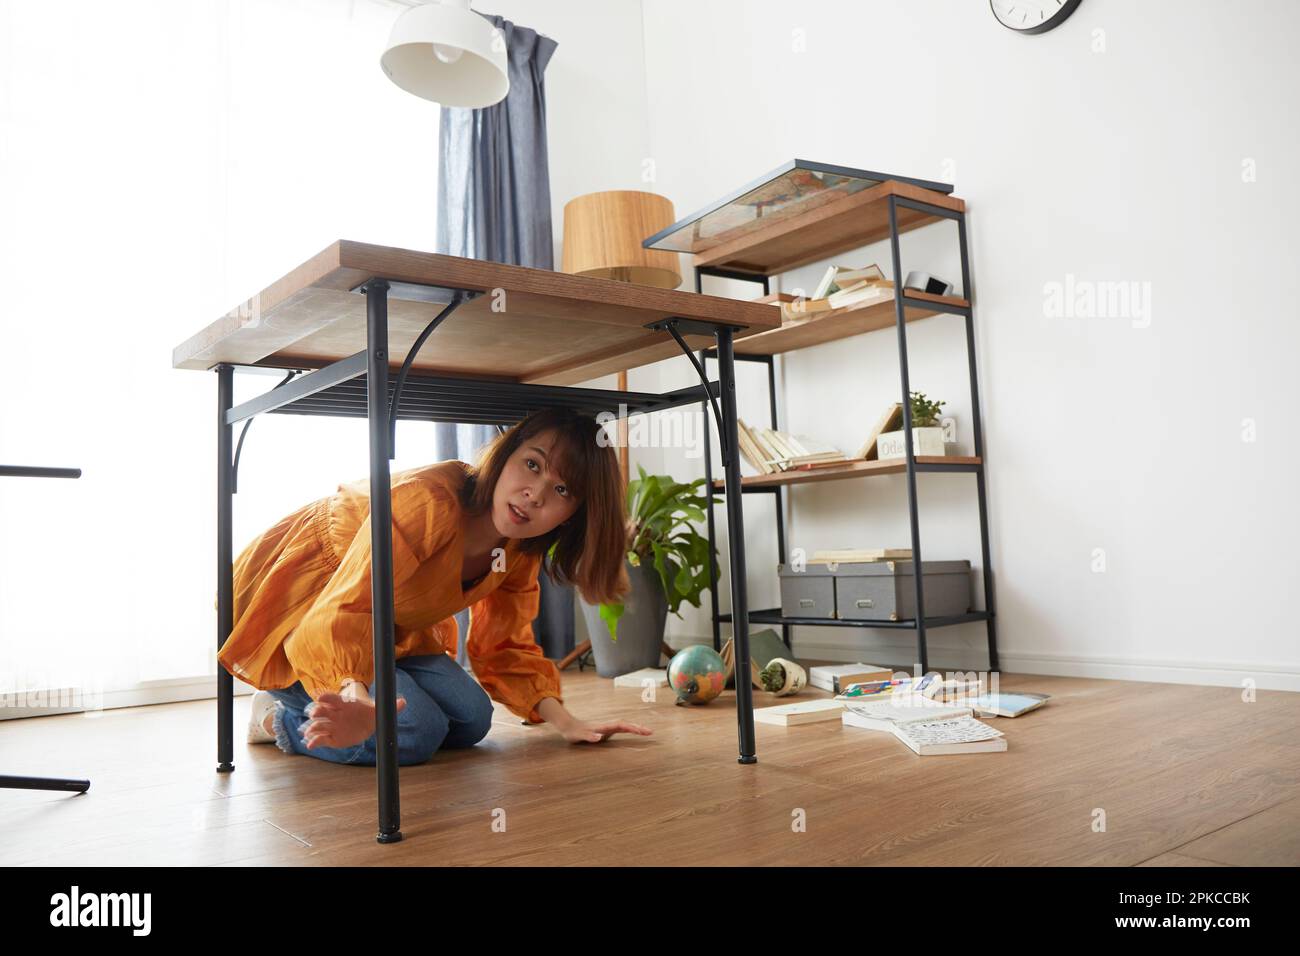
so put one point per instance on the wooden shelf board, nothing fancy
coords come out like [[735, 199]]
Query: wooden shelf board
[[855, 469], [859, 220], [839, 324]]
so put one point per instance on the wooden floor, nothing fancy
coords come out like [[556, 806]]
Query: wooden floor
[[1185, 775]]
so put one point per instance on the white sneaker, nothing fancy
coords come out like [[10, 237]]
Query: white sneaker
[[263, 704]]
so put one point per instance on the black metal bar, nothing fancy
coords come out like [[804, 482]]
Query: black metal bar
[[749, 489], [773, 615], [738, 356], [953, 467], [714, 570], [781, 496], [381, 563], [930, 209], [722, 273], [239, 448], [913, 517], [460, 296], [37, 471], [934, 306], [10, 782], [347, 405], [708, 486], [308, 384], [225, 569], [986, 572], [453, 396], [724, 446], [736, 542]]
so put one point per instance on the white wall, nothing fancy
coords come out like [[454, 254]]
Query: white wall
[[1123, 434]]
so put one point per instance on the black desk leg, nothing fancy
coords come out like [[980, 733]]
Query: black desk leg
[[381, 562], [736, 542], [225, 568]]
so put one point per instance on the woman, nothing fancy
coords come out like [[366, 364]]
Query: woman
[[462, 537]]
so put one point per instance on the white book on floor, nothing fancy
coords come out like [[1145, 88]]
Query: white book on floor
[[656, 675], [955, 735], [885, 715], [800, 712]]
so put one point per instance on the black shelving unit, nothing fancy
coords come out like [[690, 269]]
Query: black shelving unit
[[856, 180]]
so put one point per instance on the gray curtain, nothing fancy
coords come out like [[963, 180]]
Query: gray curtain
[[494, 203]]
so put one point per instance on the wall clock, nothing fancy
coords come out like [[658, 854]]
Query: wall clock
[[1032, 16]]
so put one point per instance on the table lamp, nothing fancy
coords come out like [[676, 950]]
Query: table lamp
[[603, 233], [602, 237]]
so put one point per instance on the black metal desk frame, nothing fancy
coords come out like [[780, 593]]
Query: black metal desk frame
[[336, 390]]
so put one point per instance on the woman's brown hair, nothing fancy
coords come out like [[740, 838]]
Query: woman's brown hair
[[591, 546]]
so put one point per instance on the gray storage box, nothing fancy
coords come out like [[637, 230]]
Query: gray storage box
[[807, 593], [886, 591]]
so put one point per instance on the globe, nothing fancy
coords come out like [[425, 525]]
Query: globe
[[697, 674]]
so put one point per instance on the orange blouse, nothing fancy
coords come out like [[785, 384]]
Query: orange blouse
[[302, 607]]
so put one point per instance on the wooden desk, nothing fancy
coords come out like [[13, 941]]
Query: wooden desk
[[509, 340]]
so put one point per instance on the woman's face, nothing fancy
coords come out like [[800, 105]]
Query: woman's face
[[530, 487]]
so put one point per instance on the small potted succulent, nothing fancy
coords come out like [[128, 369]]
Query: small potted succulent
[[927, 431], [668, 563]]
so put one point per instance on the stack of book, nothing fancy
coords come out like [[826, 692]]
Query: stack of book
[[840, 288], [860, 555], [926, 726], [768, 451]]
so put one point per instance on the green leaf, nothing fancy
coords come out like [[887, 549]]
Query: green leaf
[[610, 613]]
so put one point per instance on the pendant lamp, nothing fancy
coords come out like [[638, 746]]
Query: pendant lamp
[[445, 52]]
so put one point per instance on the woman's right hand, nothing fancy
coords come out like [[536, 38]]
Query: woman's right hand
[[339, 721]]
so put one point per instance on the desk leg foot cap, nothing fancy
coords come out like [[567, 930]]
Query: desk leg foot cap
[[225, 767], [394, 837], [743, 759]]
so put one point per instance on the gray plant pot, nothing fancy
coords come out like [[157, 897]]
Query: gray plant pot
[[640, 629]]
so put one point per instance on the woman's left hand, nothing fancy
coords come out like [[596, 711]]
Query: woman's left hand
[[596, 731]]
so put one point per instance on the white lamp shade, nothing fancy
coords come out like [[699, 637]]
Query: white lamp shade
[[477, 76]]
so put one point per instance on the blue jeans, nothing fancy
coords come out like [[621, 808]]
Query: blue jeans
[[445, 707]]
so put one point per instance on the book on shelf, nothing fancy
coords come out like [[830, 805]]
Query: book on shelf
[[827, 283], [891, 420], [768, 450], [797, 308], [777, 444], [858, 293], [749, 449], [849, 277], [860, 555], [765, 447]]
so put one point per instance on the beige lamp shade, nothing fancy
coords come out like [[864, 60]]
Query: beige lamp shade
[[603, 233]]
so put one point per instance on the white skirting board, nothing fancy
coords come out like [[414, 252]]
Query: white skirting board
[[971, 655]]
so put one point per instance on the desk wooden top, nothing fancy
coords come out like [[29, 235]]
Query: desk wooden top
[[548, 328]]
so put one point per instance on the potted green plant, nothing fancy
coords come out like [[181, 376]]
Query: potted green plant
[[927, 431], [668, 563]]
